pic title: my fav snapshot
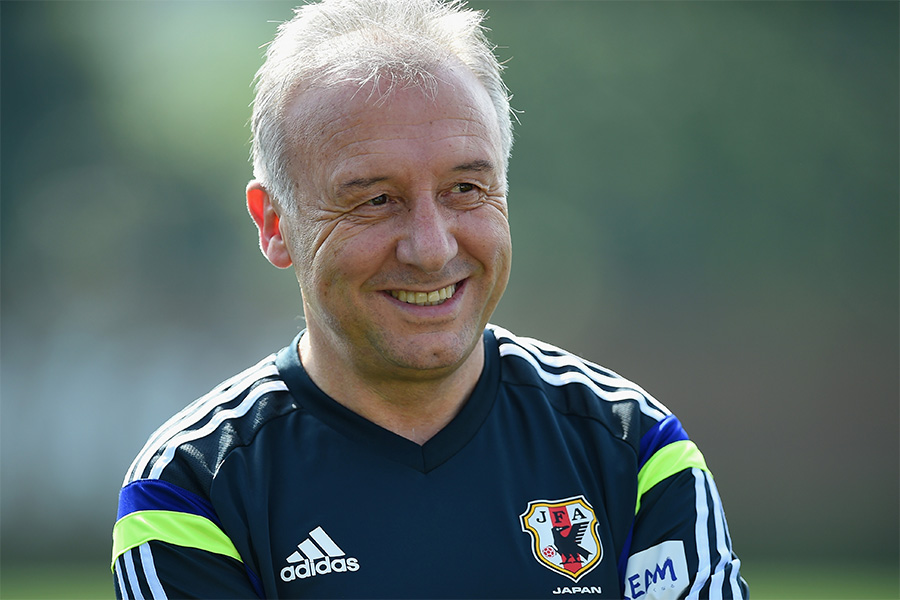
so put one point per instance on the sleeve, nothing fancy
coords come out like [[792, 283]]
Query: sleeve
[[168, 543], [680, 546]]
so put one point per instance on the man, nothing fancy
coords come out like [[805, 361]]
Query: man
[[400, 446]]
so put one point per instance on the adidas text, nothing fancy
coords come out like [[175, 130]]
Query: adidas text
[[323, 567]]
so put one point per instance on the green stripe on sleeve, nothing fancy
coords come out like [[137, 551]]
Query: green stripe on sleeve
[[178, 528], [667, 461]]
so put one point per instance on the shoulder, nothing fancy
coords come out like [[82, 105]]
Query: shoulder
[[576, 386], [579, 388], [188, 449], [531, 361]]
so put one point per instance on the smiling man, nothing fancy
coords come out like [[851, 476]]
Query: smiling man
[[401, 446], [400, 241]]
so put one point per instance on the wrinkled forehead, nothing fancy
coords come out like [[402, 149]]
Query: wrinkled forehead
[[318, 112]]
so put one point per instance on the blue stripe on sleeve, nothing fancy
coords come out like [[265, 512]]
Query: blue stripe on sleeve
[[255, 582], [662, 434], [154, 494], [622, 564]]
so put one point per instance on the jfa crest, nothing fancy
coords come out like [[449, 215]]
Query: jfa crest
[[564, 535]]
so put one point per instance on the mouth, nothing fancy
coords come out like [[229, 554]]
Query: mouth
[[433, 298]]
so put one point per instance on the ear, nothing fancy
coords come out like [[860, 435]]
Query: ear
[[264, 215]]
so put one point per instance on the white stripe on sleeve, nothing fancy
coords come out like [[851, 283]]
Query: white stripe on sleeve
[[133, 581], [701, 534], [120, 578], [717, 581], [156, 589], [723, 537]]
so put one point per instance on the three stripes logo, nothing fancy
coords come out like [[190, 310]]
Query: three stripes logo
[[317, 555]]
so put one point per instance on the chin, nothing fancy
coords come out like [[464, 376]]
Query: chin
[[433, 352]]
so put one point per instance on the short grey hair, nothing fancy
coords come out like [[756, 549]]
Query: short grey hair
[[401, 42]]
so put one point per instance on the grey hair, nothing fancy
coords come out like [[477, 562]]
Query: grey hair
[[400, 42]]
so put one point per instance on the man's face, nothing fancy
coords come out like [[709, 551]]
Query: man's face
[[400, 238]]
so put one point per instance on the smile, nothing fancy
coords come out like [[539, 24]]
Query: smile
[[425, 298]]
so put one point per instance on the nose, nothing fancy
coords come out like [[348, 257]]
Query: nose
[[428, 241]]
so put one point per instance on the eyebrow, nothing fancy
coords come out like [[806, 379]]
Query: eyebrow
[[480, 165], [361, 183]]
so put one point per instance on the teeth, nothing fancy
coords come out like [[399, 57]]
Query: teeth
[[425, 298]]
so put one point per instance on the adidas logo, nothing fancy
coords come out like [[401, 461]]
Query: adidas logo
[[317, 555]]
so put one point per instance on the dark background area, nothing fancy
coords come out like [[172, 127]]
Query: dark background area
[[703, 196]]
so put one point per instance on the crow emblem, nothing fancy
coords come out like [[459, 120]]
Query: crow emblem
[[566, 540], [564, 535]]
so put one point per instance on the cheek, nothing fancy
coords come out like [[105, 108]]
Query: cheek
[[349, 254], [488, 238]]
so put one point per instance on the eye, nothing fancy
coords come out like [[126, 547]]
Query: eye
[[379, 200], [462, 188]]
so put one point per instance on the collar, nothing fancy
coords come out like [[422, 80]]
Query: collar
[[436, 451]]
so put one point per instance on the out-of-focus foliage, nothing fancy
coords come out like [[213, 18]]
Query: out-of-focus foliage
[[704, 197]]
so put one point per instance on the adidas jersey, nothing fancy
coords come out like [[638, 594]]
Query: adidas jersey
[[557, 477]]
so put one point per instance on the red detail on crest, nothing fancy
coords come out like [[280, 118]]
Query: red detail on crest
[[560, 519]]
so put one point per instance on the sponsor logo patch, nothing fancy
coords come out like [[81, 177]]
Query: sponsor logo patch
[[657, 573], [564, 535]]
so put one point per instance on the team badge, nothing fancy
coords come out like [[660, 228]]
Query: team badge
[[564, 535]]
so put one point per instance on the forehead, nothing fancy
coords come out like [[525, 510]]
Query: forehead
[[349, 127]]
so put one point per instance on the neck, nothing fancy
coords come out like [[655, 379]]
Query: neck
[[415, 406]]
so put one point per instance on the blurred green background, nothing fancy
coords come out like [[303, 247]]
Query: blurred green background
[[704, 197]]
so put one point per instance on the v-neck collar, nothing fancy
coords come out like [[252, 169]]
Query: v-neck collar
[[440, 448]]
